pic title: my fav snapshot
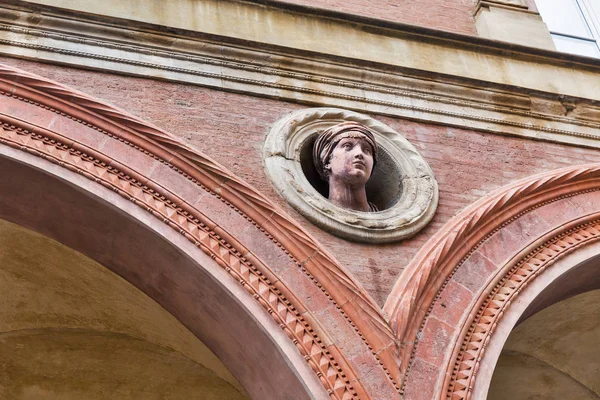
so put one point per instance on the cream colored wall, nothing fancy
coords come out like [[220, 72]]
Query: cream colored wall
[[401, 47], [72, 329], [513, 25], [553, 355]]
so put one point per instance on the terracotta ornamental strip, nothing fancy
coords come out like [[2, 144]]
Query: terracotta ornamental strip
[[312, 77], [418, 287], [254, 277], [357, 307], [463, 371]]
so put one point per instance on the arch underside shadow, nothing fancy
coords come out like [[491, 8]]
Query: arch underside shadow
[[553, 324], [72, 329], [187, 283]]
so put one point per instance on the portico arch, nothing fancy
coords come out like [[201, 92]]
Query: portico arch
[[574, 278], [448, 307], [280, 312], [185, 281]]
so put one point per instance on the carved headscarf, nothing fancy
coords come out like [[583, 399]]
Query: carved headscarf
[[330, 137]]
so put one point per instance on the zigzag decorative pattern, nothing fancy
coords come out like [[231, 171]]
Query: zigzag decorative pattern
[[499, 299], [362, 313], [196, 229], [419, 285]]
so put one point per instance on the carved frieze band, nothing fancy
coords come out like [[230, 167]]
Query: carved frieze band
[[195, 228], [310, 79], [481, 327]]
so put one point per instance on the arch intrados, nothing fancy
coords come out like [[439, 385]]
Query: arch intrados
[[163, 264], [582, 278], [572, 274]]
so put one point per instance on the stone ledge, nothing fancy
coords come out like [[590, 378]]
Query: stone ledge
[[109, 44]]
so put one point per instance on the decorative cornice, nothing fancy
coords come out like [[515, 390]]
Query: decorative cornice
[[312, 78], [462, 372], [361, 311], [421, 282]]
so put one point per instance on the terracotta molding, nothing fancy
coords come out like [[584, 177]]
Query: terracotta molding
[[280, 303], [311, 78], [461, 373], [358, 308], [418, 287]]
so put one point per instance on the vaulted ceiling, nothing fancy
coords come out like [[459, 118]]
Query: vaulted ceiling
[[72, 329], [555, 354]]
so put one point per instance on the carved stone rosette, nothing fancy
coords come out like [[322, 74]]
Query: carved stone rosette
[[403, 180]]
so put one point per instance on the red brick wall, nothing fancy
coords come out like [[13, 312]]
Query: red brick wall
[[231, 129], [448, 15]]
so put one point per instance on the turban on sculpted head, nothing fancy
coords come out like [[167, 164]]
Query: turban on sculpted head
[[329, 138]]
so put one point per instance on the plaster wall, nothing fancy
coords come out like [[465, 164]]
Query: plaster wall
[[71, 328], [231, 129], [450, 15], [513, 26]]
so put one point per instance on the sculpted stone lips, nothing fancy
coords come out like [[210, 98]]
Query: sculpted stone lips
[[359, 164]]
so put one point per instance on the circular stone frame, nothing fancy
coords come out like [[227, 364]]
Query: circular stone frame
[[410, 198]]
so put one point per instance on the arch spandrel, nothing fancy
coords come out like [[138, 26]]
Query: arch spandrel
[[321, 309], [447, 303]]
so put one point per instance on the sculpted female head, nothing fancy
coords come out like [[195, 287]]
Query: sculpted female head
[[344, 156]]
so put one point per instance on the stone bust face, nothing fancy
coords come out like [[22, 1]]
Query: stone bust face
[[344, 156], [351, 161]]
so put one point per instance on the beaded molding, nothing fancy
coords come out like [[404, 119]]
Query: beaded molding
[[483, 324], [197, 229]]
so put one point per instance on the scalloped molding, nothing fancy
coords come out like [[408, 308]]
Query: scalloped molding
[[412, 211], [441, 98]]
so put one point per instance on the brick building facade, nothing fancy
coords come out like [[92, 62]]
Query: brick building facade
[[167, 263]]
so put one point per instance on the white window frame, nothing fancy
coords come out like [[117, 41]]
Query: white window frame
[[592, 21]]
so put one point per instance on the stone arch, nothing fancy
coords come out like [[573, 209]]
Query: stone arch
[[448, 302], [562, 273], [135, 193]]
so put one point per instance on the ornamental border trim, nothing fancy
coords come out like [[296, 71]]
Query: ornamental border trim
[[244, 270], [462, 371], [419, 286], [213, 178], [311, 79]]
